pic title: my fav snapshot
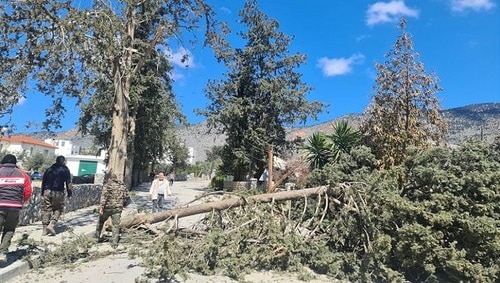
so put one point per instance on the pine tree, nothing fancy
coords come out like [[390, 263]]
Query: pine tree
[[260, 94], [404, 111]]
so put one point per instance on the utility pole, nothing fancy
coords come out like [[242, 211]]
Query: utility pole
[[270, 169]]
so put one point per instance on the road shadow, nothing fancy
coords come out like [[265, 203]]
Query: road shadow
[[144, 187], [83, 218]]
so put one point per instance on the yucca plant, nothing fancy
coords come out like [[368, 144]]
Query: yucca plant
[[343, 139], [317, 151], [322, 149]]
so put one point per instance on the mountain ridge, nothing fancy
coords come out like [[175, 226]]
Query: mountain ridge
[[473, 120], [480, 120]]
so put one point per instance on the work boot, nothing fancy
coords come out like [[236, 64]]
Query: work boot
[[44, 230], [97, 236], [50, 229]]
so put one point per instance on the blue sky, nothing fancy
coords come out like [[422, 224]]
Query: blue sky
[[458, 40]]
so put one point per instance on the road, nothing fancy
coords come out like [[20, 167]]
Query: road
[[117, 267]]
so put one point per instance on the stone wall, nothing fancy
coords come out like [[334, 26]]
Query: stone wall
[[84, 195]]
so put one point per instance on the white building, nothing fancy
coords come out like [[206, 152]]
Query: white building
[[64, 147], [25, 145], [190, 159], [80, 165]]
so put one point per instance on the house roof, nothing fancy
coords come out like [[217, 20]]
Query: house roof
[[26, 140]]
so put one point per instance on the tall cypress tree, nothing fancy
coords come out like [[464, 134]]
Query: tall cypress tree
[[258, 96]]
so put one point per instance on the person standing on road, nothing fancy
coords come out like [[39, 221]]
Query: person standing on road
[[152, 176], [55, 181], [15, 190], [159, 187], [113, 197], [171, 178]]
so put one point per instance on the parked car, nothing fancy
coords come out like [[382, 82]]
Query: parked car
[[36, 175], [83, 179]]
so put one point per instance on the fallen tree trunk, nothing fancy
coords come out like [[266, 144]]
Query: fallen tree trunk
[[138, 219]]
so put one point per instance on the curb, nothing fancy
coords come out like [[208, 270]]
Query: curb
[[16, 265], [13, 269]]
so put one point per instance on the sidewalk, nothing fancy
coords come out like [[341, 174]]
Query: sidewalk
[[80, 222], [83, 222]]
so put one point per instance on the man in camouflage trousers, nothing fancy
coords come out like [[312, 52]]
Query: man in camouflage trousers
[[56, 180], [113, 196]]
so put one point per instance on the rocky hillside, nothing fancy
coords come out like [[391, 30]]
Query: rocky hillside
[[474, 120], [200, 139]]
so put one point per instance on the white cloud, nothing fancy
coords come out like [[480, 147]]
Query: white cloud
[[181, 57], [176, 76], [383, 12], [362, 37], [226, 10], [339, 66], [21, 100], [476, 5]]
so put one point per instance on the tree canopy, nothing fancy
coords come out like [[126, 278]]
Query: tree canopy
[[258, 96], [404, 111], [64, 50]]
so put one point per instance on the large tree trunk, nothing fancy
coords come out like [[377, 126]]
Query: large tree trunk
[[129, 163], [118, 144], [138, 219], [122, 81], [135, 174]]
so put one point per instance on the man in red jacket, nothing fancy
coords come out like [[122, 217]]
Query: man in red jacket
[[15, 190]]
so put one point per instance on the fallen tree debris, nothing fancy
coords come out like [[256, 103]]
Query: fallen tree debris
[[143, 218]]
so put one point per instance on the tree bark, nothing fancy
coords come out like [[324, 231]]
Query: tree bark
[[131, 221], [118, 144], [129, 163], [122, 68]]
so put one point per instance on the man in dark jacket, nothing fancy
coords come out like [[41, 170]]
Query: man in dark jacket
[[113, 196], [56, 180], [15, 190]]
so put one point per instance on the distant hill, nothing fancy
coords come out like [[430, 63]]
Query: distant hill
[[83, 141], [473, 120], [464, 122]]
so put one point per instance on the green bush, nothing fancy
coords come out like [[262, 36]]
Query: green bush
[[440, 210], [217, 183], [435, 218]]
